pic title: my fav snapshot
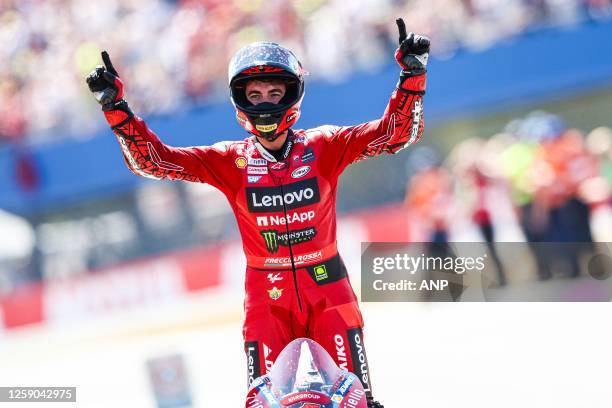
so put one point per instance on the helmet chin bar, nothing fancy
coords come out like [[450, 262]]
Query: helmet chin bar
[[266, 125], [270, 138]]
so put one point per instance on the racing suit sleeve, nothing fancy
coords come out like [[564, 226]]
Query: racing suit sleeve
[[401, 125], [145, 154]]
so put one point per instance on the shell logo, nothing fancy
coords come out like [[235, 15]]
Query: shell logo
[[241, 162]]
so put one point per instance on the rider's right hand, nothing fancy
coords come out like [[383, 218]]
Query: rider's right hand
[[105, 84]]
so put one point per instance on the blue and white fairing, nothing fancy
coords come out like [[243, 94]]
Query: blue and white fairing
[[305, 376]]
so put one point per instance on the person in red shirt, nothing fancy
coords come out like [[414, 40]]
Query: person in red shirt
[[281, 184]]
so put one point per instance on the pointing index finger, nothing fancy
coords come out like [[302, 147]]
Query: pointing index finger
[[401, 26], [108, 64]]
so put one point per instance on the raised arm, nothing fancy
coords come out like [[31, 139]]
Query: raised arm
[[402, 122], [144, 154]]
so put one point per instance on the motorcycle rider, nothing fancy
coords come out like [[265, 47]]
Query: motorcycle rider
[[281, 184]]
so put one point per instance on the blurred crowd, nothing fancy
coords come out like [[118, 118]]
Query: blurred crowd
[[174, 53], [538, 181]]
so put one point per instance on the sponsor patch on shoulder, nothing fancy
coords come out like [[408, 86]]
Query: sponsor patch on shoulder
[[241, 162], [257, 170], [300, 172], [278, 166], [253, 161], [308, 155]]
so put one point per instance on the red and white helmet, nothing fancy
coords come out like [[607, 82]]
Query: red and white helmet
[[266, 60]]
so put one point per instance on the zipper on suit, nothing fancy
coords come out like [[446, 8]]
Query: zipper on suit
[[295, 282]]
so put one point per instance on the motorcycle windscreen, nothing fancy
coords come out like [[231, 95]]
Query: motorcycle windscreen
[[305, 376]]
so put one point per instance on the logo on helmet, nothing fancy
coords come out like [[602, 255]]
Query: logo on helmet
[[291, 116], [241, 117], [266, 128]]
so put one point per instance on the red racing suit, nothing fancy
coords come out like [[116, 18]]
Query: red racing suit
[[296, 283]]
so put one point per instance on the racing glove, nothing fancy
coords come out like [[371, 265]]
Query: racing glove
[[107, 88], [412, 55]]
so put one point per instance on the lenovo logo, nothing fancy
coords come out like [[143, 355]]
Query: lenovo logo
[[252, 352], [358, 356], [290, 196]]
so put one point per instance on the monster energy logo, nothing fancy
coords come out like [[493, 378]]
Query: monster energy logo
[[273, 239]]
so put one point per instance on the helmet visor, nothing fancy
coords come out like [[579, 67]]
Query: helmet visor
[[291, 96]]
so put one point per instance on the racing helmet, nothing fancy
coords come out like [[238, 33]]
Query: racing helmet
[[266, 61]]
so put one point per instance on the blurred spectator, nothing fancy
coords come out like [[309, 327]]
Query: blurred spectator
[[16, 248], [598, 190], [429, 195], [556, 182], [183, 46], [481, 191], [12, 120]]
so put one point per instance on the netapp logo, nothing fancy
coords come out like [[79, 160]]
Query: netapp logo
[[301, 217], [294, 195], [360, 361]]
